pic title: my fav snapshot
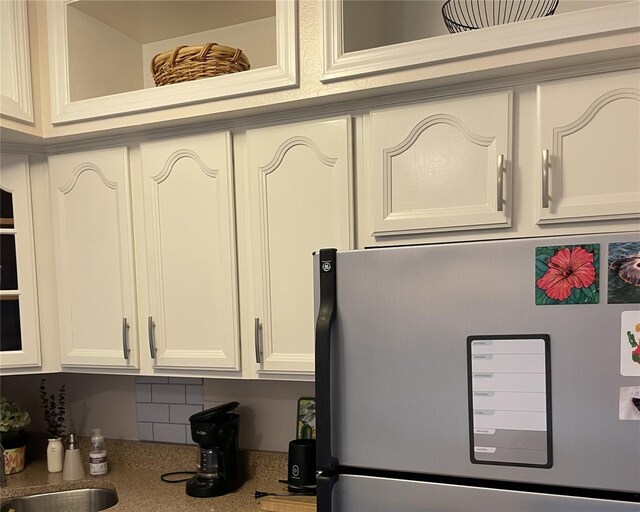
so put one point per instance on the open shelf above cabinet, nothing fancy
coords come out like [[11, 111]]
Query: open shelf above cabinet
[[363, 37], [101, 52]]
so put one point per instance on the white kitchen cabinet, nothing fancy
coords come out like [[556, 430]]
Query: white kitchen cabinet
[[299, 200], [15, 72], [19, 329], [589, 162], [441, 165], [192, 318], [94, 258]]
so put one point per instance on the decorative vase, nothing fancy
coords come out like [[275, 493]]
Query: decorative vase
[[14, 443], [55, 455]]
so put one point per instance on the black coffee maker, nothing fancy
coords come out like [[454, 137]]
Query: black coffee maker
[[216, 431]]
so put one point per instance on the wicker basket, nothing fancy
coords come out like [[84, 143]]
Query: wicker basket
[[187, 63]]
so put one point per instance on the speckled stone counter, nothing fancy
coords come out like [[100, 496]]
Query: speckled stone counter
[[134, 472]]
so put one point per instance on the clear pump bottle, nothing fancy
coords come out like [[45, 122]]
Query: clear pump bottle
[[97, 454]]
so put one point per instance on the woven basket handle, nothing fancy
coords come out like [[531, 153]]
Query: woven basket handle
[[174, 55], [236, 55], [202, 56]]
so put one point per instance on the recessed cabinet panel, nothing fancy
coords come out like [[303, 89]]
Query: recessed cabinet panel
[[193, 299], [300, 201], [441, 165], [94, 258], [101, 50], [19, 323], [589, 129], [365, 37]]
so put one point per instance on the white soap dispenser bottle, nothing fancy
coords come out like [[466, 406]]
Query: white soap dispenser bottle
[[72, 468]]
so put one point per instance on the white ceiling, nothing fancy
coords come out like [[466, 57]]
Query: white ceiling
[[154, 20]]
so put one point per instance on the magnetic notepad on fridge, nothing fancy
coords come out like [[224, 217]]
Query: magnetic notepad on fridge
[[510, 400]]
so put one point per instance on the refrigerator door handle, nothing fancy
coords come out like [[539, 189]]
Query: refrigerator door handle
[[326, 316]]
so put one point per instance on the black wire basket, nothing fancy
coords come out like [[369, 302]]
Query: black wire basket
[[462, 15]]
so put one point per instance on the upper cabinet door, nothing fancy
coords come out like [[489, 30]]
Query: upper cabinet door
[[15, 68], [191, 256], [94, 258], [19, 332], [441, 165], [300, 200], [589, 164]]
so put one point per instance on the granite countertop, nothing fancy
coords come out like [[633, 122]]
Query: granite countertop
[[134, 472]]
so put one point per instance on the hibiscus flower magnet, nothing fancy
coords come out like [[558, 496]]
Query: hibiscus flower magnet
[[567, 274]]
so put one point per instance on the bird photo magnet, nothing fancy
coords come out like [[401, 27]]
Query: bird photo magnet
[[624, 273], [567, 274]]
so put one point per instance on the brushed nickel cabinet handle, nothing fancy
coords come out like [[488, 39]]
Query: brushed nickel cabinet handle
[[500, 182], [545, 178], [152, 337], [125, 338], [257, 340]]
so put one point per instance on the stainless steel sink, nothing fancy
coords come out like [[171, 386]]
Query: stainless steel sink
[[79, 500]]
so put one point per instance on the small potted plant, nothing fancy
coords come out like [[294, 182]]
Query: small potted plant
[[12, 435], [54, 411]]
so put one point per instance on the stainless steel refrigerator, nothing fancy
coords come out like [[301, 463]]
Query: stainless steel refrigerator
[[485, 376]]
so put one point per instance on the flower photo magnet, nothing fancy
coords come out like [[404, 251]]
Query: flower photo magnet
[[567, 274]]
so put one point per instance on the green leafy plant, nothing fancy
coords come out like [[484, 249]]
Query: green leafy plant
[[13, 416], [54, 410]]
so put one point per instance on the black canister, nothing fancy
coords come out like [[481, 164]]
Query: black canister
[[302, 465]]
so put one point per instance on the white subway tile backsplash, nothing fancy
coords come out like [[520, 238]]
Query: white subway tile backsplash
[[145, 431], [169, 433], [152, 380], [168, 393], [195, 394], [152, 412], [180, 413], [143, 393], [184, 380]]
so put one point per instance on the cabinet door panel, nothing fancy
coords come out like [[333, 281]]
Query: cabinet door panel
[[590, 126], [441, 165], [188, 196], [15, 67], [94, 258], [19, 332], [300, 201]]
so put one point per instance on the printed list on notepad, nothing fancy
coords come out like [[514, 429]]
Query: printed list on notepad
[[509, 401]]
